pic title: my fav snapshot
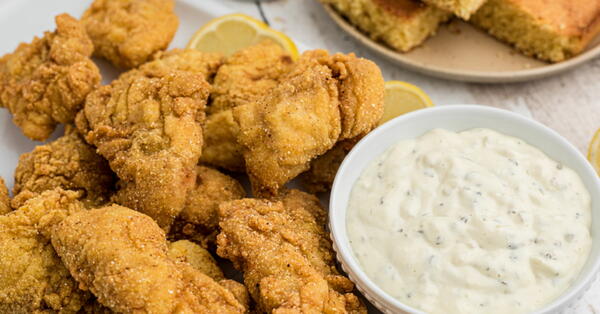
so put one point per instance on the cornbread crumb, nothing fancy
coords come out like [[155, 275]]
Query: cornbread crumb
[[549, 30], [401, 24], [462, 8]]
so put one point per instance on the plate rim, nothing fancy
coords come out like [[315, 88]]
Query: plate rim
[[460, 75]]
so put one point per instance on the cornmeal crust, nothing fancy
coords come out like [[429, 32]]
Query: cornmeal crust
[[549, 30], [401, 24]]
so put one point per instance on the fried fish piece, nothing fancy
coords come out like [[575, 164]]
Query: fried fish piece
[[96, 244], [322, 100], [248, 75], [286, 255], [32, 277], [294, 123], [128, 32], [188, 60], [147, 124], [323, 169], [221, 148], [69, 163], [44, 83], [4, 198], [199, 220]]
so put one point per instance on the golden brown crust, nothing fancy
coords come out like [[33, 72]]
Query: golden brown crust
[[248, 75], [32, 277], [68, 163], [404, 9], [129, 32], [4, 198], [199, 219], [120, 255], [285, 253], [184, 251], [147, 124], [44, 83], [221, 148], [323, 169]]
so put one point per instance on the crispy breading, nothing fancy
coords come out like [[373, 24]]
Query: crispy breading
[[199, 220], [184, 251], [68, 163], [129, 32], [199, 258], [286, 255], [4, 198], [221, 148], [147, 124], [248, 75], [322, 100], [189, 60], [98, 243], [323, 169], [44, 83], [32, 277], [295, 122]]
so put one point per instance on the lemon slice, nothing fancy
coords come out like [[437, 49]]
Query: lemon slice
[[594, 152], [230, 33], [402, 97]]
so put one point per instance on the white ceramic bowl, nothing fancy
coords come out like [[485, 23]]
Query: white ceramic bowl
[[456, 118]]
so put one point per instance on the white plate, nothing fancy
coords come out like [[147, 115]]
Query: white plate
[[461, 52]]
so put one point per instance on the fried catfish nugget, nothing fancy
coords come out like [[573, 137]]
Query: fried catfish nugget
[[68, 163], [44, 83], [199, 220], [32, 277], [221, 148], [286, 255], [4, 198], [120, 255], [199, 258], [248, 75], [296, 122], [128, 32], [147, 124]]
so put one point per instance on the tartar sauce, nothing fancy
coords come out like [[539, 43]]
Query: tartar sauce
[[470, 222]]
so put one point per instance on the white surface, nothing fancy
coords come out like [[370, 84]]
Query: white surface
[[457, 118]]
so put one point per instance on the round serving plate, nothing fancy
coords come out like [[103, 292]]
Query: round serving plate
[[462, 52]]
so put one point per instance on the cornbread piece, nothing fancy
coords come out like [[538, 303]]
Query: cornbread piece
[[4, 198], [548, 30], [128, 32], [401, 24], [462, 8], [44, 83]]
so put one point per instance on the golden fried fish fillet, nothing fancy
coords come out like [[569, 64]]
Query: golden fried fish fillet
[[247, 75], [120, 255], [221, 148], [128, 32], [322, 100], [295, 122], [199, 219], [4, 198], [32, 277], [189, 60], [286, 255], [147, 124], [323, 169], [44, 83], [68, 163], [184, 251]]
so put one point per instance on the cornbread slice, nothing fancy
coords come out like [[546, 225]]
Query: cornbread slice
[[462, 8], [401, 24], [549, 30]]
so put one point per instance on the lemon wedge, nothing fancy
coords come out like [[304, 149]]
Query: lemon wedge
[[594, 152], [402, 97], [230, 33]]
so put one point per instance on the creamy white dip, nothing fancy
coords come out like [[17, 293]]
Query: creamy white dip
[[470, 222]]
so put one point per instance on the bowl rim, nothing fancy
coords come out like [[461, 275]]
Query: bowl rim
[[346, 257]]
